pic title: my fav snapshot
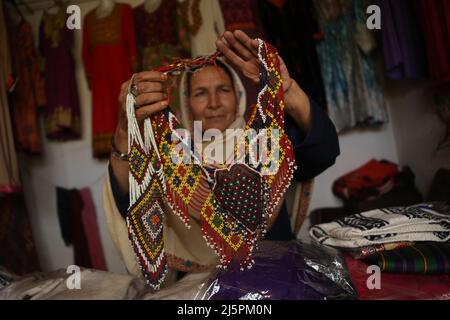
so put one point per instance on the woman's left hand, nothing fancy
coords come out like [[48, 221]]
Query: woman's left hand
[[242, 52]]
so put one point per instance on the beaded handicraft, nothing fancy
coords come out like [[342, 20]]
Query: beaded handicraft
[[235, 202]]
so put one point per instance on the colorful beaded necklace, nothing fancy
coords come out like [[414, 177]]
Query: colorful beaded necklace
[[235, 202]]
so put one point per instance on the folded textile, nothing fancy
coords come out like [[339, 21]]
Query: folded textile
[[370, 181], [423, 222], [398, 286], [427, 258], [364, 252]]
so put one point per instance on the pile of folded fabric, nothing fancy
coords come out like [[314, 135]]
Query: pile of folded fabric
[[411, 245], [423, 222], [376, 184], [370, 181]]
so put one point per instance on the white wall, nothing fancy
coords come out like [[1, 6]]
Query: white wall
[[357, 147], [417, 130], [71, 165]]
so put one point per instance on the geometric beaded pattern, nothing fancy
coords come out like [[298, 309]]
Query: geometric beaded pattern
[[238, 191], [138, 162], [182, 180], [145, 224], [236, 207]]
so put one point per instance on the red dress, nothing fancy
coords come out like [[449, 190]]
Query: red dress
[[109, 56]]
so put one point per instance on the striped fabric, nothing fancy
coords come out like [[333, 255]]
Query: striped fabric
[[425, 258]]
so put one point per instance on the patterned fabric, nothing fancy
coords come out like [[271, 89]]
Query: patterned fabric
[[239, 14], [29, 93], [398, 286], [423, 222], [204, 21], [9, 168], [236, 203], [429, 258], [161, 36], [364, 252], [109, 58], [352, 86]]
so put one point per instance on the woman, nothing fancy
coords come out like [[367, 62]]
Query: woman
[[215, 96]]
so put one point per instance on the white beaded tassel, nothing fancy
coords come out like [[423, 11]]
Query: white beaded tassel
[[134, 135], [148, 145]]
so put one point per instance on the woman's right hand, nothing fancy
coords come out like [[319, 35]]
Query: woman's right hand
[[150, 98]]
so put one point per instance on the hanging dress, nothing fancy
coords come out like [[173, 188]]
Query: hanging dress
[[62, 112], [109, 56]]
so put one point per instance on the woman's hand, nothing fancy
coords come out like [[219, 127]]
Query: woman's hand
[[149, 94], [150, 98], [242, 52]]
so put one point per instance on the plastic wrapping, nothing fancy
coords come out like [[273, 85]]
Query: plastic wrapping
[[283, 270]]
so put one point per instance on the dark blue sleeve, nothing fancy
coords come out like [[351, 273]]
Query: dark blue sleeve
[[122, 199], [316, 150]]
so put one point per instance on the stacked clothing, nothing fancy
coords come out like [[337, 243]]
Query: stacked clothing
[[398, 286], [423, 222], [413, 239], [409, 245], [426, 258], [370, 181]]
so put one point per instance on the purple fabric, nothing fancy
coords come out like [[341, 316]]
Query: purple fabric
[[280, 273], [403, 46]]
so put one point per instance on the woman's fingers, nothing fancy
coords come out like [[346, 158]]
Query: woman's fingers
[[145, 111], [149, 76], [149, 98], [148, 87], [238, 47], [228, 53], [249, 43]]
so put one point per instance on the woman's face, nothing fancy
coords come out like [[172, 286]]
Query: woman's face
[[212, 98]]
